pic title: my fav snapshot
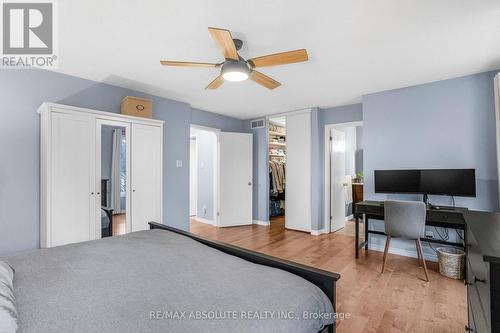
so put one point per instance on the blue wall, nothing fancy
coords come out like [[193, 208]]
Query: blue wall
[[22, 92], [260, 172], [359, 149], [213, 120], [445, 124]]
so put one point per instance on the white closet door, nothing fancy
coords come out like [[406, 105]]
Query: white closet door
[[235, 179], [146, 176], [72, 179], [298, 172]]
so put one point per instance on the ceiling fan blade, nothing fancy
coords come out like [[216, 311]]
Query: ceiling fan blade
[[279, 58], [264, 80], [187, 63], [219, 80], [225, 40]]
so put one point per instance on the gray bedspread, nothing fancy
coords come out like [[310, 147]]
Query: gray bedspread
[[158, 281]]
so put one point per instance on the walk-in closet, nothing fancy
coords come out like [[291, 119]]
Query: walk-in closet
[[277, 166]]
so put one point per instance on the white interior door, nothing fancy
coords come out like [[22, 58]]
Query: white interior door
[[146, 176], [193, 177], [298, 172], [337, 179], [235, 179], [73, 192]]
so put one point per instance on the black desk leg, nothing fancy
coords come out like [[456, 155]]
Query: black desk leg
[[356, 237], [365, 225], [465, 250]]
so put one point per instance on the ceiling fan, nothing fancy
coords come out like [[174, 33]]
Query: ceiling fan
[[235, 68]]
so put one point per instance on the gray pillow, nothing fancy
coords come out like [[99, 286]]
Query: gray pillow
[[8, 313]]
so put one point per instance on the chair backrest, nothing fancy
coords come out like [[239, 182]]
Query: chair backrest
[[405, 219]]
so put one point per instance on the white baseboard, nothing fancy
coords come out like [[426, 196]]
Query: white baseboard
[[401, 252], [348, 218], [202, 220], [318, 232], [266, 223]]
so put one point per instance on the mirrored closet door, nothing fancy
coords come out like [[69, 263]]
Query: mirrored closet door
[[113, 175]]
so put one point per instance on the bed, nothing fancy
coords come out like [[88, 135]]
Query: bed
[[167, 280], [106, 222]]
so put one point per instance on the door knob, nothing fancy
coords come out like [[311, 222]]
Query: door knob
[[91, 193], [249, 183]]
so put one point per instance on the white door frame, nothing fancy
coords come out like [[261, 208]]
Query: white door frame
[[195, 160], [328, 127], [215, 168], [99, 123]]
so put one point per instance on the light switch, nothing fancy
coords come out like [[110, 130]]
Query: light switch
[[178, 163]]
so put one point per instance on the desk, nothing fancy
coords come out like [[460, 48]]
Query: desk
[[445, 217]]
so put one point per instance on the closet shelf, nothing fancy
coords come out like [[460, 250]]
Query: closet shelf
[[277, 133], [277, 144]]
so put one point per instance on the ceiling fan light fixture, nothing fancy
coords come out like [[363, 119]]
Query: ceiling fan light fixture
[[235, 71]]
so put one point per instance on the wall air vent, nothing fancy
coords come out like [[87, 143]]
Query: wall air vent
[[259, 123]]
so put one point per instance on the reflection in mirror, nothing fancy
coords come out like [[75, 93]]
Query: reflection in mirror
[[113, 180]]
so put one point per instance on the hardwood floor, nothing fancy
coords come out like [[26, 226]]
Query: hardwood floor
[[396, 301], [119, 224]]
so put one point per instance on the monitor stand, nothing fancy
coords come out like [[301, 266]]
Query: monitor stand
[[431, 206]]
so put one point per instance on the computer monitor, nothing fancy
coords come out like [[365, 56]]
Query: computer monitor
[[455, 182]]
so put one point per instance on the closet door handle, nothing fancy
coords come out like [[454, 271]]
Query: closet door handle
[[249, 183], [476, 279], [91, 193]]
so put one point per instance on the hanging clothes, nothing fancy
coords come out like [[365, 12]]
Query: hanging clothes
[[277, 177]]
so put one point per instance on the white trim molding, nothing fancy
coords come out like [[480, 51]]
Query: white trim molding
[[259, 222], [319, 232], [401, 252], [202, 220]]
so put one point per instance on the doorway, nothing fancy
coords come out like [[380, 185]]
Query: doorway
[[203, 169], [277, 166], [221, 184], [114, 177], [343, 175]]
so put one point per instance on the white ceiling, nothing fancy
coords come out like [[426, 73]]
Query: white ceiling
[[355, 47]]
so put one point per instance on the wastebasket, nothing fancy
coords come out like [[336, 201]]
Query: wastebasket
[[451, 262]]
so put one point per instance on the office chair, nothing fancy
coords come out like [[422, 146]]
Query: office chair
[[405, 219]]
